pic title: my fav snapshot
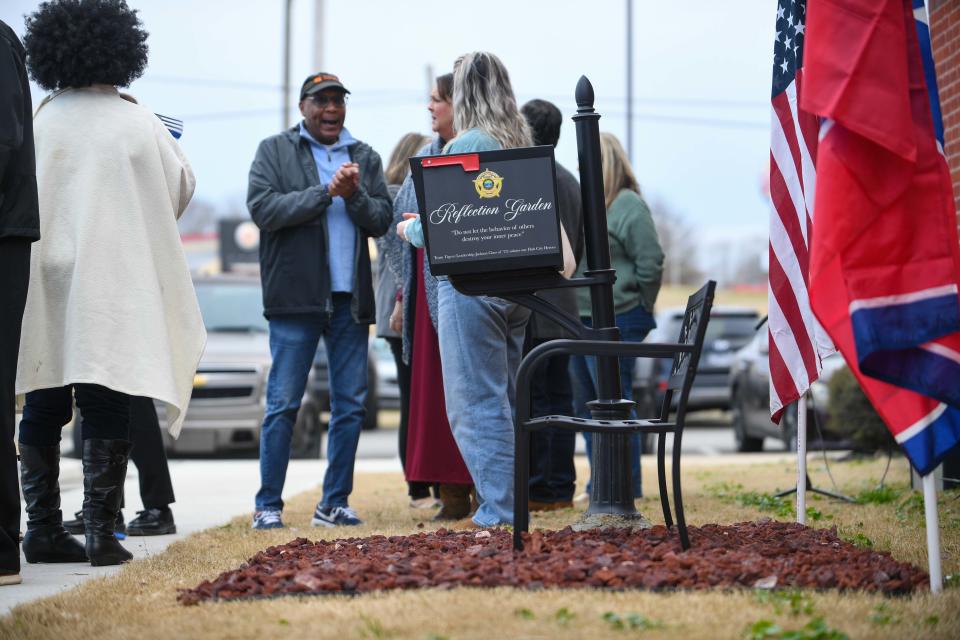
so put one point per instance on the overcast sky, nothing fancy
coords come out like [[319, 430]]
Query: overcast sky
[[701, 82]]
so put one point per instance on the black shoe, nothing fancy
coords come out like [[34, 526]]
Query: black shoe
[[152, 522], [45, 540], [76, 527], [104, 471]]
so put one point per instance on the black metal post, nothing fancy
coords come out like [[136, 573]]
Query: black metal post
[[287, 26], [612, 490], [629, 66]]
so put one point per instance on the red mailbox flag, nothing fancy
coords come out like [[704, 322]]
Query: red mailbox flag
[[885, 260]]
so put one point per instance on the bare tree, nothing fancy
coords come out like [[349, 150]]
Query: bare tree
[[679, 245], [749, 267]]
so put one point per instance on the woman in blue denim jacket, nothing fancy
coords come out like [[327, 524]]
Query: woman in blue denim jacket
[[481, 337]]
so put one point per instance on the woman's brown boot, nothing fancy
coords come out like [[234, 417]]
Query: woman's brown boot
[[455, 499]]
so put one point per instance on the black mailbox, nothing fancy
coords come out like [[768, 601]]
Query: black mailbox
[[489, 211]]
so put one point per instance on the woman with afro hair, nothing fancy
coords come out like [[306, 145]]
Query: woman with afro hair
[[111, 312]]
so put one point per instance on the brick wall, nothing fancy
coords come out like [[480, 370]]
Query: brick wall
[[945, 33]]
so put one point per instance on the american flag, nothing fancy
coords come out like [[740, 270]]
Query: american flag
[[797, 342]]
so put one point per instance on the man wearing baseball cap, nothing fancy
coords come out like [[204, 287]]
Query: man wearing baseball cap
[[317, 194]]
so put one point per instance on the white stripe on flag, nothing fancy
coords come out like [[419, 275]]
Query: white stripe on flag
[[787, 346], [783, 250], [806, 162], [942, 351], [780, 149], [904, 298], [921, 424]]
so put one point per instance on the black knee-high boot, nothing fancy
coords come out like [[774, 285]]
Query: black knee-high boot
[[104, 472], [45, 540]]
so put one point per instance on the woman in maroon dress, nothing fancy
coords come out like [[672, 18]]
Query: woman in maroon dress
[[432, 454]]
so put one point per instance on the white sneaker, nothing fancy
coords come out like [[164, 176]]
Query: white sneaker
[[10, 579], [425, 503], [335, 517], [583, 498], [267, 519]]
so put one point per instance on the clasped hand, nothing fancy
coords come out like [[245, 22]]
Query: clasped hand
[[345, 181], [402, 226]]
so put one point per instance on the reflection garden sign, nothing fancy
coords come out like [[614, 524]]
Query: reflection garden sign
[[491, 225]]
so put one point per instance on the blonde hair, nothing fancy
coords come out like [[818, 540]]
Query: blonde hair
[[617, 174], [483, 99], [399, 166]]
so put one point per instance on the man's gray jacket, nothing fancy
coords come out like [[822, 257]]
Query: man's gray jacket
[[288, 203]]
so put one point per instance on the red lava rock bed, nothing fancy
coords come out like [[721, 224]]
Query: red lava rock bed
[[763, 554]]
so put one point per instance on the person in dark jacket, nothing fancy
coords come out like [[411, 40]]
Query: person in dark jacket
[[552, 473], [19, 226], [317, 194]]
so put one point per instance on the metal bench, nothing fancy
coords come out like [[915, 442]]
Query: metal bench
[[685, 353]]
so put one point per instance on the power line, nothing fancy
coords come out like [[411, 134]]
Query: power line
[[693, 120], [210, 83], [228, 115], [650, 117]]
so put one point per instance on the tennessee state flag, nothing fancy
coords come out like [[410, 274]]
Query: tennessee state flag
[[885, 259]]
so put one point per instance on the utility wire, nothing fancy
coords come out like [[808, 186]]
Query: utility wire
[[212, 83], [651, 117]]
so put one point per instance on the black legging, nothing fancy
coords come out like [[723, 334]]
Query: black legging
[[14, 276], [105, 414], [156, 489], [416, 490]]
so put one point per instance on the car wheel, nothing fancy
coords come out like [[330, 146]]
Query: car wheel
[[307, 434], [745, 443]]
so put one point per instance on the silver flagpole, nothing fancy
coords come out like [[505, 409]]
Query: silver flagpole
[[933, 532], [929, 484], [802, 459]]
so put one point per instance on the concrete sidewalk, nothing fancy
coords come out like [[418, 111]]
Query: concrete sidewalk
[[209, 493]]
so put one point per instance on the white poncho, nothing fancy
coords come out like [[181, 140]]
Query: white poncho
[[111, 301]]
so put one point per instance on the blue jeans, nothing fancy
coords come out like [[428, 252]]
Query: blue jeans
[[293, 344], [634, 326], [481, 343]]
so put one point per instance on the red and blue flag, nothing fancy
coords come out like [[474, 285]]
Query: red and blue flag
[[885, 258]]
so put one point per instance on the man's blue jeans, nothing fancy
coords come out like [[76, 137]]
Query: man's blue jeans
[[634, 326], [293, 344], [481, 343]]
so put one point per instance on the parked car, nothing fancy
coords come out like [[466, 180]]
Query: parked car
[[388, 384], [750, 401], [318, 385], [729, 329], [229, 388]]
